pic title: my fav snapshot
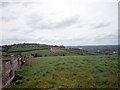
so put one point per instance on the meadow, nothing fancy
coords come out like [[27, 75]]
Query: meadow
[[90, 71]]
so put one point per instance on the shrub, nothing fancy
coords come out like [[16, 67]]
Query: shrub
[[17, 77], [17, 54], [36, 55], [28, 59]]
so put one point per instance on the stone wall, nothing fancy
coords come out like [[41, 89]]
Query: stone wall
[[9, 67]]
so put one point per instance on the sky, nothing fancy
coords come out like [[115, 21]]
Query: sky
[[59, 22]]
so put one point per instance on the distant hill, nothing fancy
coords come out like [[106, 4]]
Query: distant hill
[[96, 47], [29, 48], [54, 50]]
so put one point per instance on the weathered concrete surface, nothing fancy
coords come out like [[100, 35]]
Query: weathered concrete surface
[[0, 74]]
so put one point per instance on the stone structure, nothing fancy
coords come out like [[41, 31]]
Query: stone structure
[[9, 67]]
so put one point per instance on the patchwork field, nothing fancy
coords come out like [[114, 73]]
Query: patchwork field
[[98, 71], [42, 52]]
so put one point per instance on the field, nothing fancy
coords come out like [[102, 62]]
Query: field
[[42, 52], [98, 71]]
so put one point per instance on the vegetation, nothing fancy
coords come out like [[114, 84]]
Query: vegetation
[[60, 67], [42, 52], [43, 49], [98, 71]]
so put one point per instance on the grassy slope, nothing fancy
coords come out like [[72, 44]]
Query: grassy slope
[[26, 48], [69, 71], [71, 54], [43, 52]]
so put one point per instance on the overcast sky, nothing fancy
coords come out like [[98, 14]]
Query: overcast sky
[[59, 22]]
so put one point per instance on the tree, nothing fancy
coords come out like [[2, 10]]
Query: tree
[[6, 48]]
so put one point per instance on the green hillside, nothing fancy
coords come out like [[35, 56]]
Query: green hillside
[[45, 50], [69, 72], [62, 67], [42, 52]]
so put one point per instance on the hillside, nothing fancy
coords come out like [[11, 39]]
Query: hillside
[[54, 50], [62, 67], [115, 47], [69, 72]]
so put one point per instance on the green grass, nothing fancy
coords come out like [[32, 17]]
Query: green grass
[[61, 51], [71, 54], [26, 48], [69, 72], [0, 48], [43, 52], [22, 49], [5, 53], [8, 58]]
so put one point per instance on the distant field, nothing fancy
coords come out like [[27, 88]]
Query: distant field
[[69, 72], [42, 52], [72, 54], [24, 49]]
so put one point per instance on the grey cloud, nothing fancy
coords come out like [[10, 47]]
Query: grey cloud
[[16, 40], [26, 4], [73, 40], [64, 40], [28, 25], [19, 39], [111, 36], [68, 22], [4, 4], [107, 39], [7, 18], [100, 25], [93, 25], [40, 24]]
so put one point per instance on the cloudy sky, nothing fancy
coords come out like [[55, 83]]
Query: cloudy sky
[[59, 22]]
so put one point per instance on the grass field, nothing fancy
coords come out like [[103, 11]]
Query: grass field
[[26, 48], [42, 52], [69, 72]]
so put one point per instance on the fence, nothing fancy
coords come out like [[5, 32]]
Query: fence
[[9, 67]]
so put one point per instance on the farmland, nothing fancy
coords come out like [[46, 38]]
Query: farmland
[[65, 67], [69, 72], [58, 50]]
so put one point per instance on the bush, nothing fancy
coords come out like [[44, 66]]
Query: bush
[[28, 59], [36, 55], [17, 77], [17, 54]]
